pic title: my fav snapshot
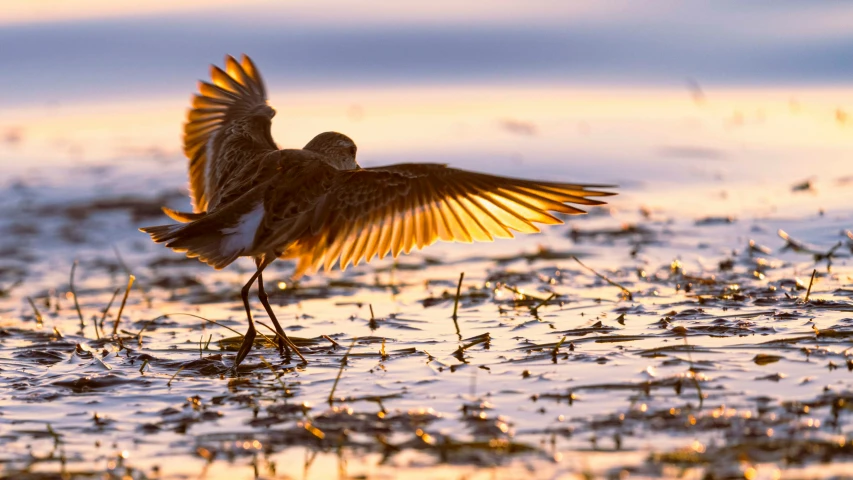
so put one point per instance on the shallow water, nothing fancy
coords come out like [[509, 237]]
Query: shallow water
[[714, 363]]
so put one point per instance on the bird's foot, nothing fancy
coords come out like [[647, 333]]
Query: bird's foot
[[287, 356], [283, 347], [246, 346]]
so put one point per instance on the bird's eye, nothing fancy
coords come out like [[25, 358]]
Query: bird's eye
[[352, 150]]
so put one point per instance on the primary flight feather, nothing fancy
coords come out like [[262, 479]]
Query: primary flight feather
[[317, 206]]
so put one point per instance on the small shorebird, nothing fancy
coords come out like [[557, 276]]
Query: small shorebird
[[317, 206]]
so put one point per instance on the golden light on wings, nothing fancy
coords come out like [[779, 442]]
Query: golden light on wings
[[384, 211], [236, 93]]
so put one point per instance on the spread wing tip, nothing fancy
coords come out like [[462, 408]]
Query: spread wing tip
[[600, 193], [233, 91], [386, 211]]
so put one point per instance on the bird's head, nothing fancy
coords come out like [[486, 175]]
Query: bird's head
[[338, 149]]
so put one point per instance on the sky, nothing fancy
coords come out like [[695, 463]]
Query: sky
[[58, 50]]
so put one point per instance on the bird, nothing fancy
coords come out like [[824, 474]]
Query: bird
[[318, 207]]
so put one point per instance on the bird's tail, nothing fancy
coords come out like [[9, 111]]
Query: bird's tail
[[199, 238], [182, 217]]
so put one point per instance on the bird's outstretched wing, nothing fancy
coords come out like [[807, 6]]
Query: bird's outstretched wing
[[381, 211], [235, 97]]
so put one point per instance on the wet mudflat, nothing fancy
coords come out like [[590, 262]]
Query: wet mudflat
[[633, 341]]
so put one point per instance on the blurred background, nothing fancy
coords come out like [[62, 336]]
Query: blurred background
[[724, 107]]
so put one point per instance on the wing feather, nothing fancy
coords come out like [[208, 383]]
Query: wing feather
[[201, 101], [428, 219], [348, 247], [232, 95], [397, 235], [478, 232], [516, 204], [236, 72], [378, 212], [408, 236], [225, 82], [215, 91], [253, 73], [373, 239], [508, 216], [457, 224], [363, 239], [418, 222], [387, 231], [338, 243], [444, 231], [491, 224]]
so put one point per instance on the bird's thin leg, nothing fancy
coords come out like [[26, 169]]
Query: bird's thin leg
[[282, 338], [249, 339]]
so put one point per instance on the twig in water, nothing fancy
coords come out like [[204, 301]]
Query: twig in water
[[126, 269], [169, 383], [535, 310], [456, 304], [74, 296], [791, 244], [693, 374], [557, 349], [809, 291], [458, 292], [285, 339], [800, 247], [340, 372], [149, 322], [39, 318], [123, 302], [378, 401], [372, 323], [334, 343], [524, 295], [57, 438], [483, 338], [142, 368], [625, 291], [95, 326], [107, 309]]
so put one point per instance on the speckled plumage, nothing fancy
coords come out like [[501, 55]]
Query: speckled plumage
[[317, 206]]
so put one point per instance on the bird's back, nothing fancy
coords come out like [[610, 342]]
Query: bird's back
[[227, 135]]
